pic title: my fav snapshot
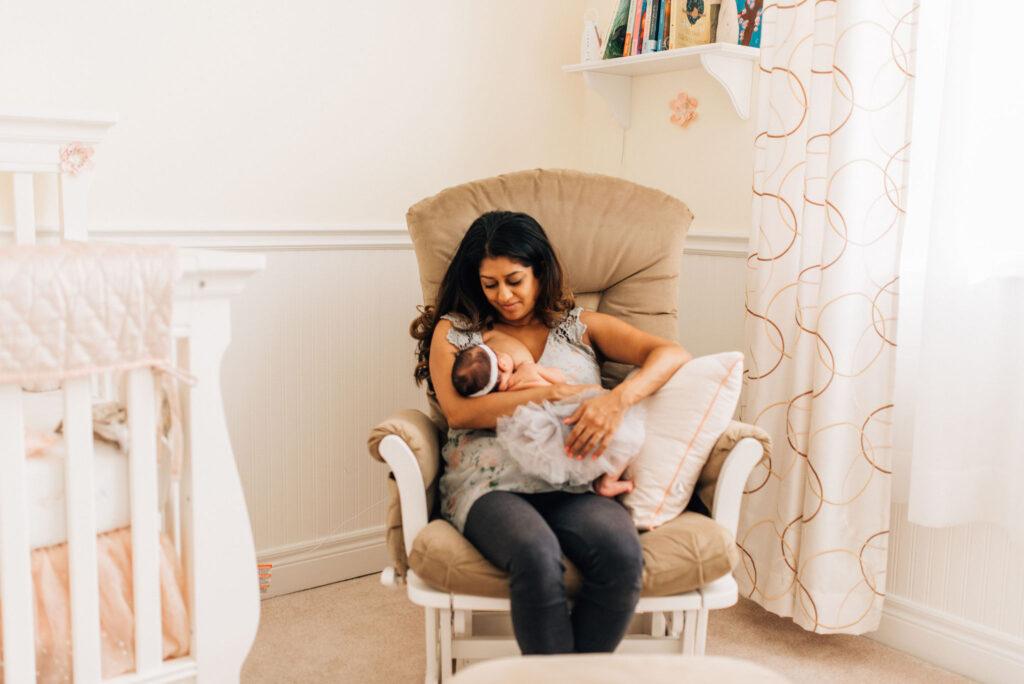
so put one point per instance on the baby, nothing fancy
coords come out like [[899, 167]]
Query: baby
[[535, 435], [502, 360]]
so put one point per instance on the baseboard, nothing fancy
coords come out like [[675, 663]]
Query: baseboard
[[325, 561], [950, 642]]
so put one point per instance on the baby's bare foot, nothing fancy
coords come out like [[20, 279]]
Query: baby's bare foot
[[609, 486]]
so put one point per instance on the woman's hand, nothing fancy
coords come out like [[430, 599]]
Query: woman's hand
[[596, 421]]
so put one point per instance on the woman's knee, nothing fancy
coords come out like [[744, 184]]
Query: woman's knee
[[621, 560], [536, 572]]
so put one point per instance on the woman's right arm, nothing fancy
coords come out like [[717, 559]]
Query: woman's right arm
[[481, 413]]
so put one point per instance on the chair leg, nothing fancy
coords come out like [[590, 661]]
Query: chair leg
[[431, 676], [463, 629], [446, 646], [689, 631], [702, 632], [657, 624], [676, 624]]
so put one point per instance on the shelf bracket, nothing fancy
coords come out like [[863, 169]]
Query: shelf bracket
[[616, 92], [736, 74]]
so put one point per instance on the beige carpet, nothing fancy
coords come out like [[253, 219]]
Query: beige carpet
[[359, 631]]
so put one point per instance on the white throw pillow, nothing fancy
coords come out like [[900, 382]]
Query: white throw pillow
[[684, 420]]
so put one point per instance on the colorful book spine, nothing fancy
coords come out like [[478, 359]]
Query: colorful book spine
[[646, 26], [653, 14], [627, 46], [663, 24], [617, 32], [638, 39]]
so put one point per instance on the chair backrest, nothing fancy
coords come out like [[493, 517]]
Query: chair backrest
[[620, 243]]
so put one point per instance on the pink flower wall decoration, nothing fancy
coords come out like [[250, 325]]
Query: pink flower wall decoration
[[74, 157], [684, 110]]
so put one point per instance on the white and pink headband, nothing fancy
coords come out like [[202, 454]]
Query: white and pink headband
[[494, 372]]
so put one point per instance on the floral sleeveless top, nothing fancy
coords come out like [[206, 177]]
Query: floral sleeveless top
[[474, 461]]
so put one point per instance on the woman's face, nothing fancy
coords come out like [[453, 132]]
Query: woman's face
[[509, 286]]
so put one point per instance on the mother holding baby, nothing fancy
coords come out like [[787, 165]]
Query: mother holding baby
[[505, 278]]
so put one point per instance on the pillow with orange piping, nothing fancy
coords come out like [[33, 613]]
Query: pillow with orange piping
[[684, 420]]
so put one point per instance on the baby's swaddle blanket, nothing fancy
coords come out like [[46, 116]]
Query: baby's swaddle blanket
[[534, 436]]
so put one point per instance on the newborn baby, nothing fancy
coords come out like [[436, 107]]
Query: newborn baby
[[535, 434]]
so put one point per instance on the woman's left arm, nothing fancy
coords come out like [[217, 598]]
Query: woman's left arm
[[597, 419]]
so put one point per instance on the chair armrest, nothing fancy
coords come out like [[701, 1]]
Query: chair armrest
[[419, 433], [725, 509], [738, 450], [410, 445]]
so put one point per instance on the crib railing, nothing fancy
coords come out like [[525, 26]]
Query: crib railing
[[206, 515], [15, 554]]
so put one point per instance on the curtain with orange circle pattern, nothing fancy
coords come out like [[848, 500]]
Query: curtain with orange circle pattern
[[829, 201]]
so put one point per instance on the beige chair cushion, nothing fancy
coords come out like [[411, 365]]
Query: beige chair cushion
[[681, 555]]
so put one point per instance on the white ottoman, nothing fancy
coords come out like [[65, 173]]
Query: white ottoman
[[609, 668]]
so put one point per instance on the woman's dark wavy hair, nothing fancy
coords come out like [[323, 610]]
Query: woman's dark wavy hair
[[513, 235]]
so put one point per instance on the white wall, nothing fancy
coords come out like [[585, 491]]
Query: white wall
[[241, 112]]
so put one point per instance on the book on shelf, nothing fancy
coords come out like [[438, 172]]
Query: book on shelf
[[627, 45], [617, 32], [694, 24], [663, 24], [643, 26], [650, 26]]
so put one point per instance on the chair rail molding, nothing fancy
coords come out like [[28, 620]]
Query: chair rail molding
[[370, 235]]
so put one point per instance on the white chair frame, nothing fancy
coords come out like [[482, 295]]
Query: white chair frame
[[460, 628]]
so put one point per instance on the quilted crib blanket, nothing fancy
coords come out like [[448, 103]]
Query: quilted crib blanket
[[74, 309]]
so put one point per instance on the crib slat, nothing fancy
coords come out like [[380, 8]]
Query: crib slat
[[24, 210], [74, 191], [145, 520], [15, 560], [81, 514]]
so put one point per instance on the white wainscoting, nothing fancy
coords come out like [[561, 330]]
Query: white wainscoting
[[956, 598], [321, 353]]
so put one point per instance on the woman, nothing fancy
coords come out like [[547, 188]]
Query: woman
[[505, 276]]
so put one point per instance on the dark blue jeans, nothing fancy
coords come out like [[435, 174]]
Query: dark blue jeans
[[526, 535]]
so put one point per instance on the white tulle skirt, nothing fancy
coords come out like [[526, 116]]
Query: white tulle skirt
[[534, 436]]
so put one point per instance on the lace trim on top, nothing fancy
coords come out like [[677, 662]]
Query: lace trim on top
[[461, 339], [571, 328]]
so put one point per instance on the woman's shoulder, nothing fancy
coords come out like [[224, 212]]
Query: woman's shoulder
[[457, 329], [456, 320], [572, 326]]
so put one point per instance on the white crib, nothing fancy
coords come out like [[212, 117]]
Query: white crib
[[206, 515]]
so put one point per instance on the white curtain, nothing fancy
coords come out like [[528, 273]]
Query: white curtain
[[959, 415], [829, 187]]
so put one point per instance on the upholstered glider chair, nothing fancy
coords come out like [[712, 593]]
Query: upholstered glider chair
[[621, 245]]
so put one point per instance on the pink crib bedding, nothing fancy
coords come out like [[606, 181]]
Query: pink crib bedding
[[117, 623]]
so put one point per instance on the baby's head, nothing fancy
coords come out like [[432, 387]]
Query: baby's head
[[479, 370]]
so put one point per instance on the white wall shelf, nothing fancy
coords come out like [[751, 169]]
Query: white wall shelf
[[731, 65]]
